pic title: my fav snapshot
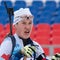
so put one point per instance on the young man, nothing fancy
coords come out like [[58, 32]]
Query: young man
[[25, 48]]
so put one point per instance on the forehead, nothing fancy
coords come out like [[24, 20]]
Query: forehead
[[27, 20]]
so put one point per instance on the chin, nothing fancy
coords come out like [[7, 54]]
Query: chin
[[26, 37]]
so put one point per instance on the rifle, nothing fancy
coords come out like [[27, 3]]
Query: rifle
[[10, 13]]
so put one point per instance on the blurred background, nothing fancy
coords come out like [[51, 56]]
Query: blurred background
[[46, 28]]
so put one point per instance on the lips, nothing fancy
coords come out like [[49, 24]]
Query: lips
[[26, 32]]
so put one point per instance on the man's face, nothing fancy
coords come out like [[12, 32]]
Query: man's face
[[23, 28]]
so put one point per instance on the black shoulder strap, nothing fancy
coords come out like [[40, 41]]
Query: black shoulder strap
[[13, 40]]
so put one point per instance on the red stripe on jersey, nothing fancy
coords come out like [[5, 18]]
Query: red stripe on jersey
[[6, 57], [44, 59]]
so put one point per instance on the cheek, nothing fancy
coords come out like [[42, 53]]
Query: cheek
[[31, 26], [21, 29]]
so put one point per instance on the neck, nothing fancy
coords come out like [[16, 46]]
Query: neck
[[25, 41]]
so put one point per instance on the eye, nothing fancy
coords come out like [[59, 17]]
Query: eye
[[30, 22]]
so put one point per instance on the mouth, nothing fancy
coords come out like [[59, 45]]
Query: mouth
[[27, 32]]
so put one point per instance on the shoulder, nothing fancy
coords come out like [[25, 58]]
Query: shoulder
[[6, 46], [7, 40], [36, 43], [38, 47]]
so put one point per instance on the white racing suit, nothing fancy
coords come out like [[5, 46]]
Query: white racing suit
[[6, 48]]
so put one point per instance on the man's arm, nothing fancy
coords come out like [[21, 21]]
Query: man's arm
[[40, 55], [5, 49]]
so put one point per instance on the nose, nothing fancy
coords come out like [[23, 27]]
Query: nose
[[27, 27]]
